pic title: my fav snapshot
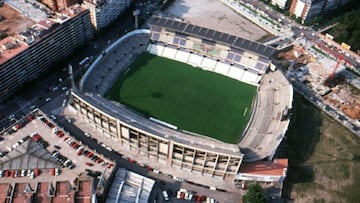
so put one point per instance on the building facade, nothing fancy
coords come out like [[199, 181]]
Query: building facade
[[25, 56], [309, 9], [103, 12]]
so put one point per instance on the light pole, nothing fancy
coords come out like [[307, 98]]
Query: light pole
[[136, 13]]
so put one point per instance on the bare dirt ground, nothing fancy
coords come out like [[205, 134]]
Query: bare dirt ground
[[323, 158], [215, 15], [14, 21], [345, 98]]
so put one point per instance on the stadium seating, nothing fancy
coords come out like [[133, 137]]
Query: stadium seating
[[182, 56]]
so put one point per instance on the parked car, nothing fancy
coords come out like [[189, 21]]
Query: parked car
[[89, 164]]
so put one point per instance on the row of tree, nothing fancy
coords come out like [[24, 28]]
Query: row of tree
[[348, 29]]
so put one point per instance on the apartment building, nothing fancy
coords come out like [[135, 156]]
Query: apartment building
[[25, 56], [308, 9], [103, 12]]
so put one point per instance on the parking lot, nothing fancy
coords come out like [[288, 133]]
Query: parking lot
[[36, 143], [215, 15]]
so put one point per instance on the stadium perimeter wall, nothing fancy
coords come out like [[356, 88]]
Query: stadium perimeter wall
[[151, 139], [197, 154]]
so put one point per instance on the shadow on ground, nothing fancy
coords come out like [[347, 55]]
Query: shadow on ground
[[301, 139]]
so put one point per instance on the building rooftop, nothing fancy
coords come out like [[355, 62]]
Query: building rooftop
[[13, 45], [80, 192], [95, 2], [84, 190], [5, 189], [129, 187], [22, 193], [43, 189], [278, 167], [31, 9], [62, 192], [10, 47], [28, 155]]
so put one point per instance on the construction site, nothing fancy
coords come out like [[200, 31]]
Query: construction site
[[327, 76]]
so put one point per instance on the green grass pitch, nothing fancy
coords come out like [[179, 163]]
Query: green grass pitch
[[190, 98]]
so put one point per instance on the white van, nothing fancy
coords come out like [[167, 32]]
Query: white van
[[166, 196]]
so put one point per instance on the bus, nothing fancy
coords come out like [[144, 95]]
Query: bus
[[84, 61]]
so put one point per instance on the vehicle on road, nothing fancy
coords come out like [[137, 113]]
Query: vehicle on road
[[87, 135], [53, 117], [165, 195]]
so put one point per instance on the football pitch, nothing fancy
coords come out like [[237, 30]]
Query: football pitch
[[190, 98]]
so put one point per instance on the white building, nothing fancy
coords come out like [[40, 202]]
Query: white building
[[103, 12], [263, 171], [281, 3]]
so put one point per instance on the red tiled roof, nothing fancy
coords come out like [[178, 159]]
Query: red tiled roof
[[4, 187], [84, 193], [275, 168], [63, 192], [20, 194], [84, 188], [41, 193], [9, 53]]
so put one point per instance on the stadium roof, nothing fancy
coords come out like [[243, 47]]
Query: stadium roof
[[209, 34], [28, 155]]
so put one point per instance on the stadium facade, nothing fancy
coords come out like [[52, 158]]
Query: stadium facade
[[204, 48]]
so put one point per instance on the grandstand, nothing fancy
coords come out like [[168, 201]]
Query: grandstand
[[232, 56], [211, 50], [113, 62]]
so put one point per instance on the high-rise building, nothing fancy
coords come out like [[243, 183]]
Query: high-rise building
[[308, 9], [25, 56], [103, 12], [59, 5]]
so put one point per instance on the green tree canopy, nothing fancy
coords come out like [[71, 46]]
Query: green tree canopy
[[254, 194], [348, 29]]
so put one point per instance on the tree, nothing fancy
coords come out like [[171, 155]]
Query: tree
[[254, 194], [298, 20], [3, 35], [287, 13], [292, 16]]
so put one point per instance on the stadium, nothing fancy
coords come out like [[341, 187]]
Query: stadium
[[216, 52]]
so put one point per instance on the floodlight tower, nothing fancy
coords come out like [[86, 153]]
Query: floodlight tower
[[72, 78], [136, 13]]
